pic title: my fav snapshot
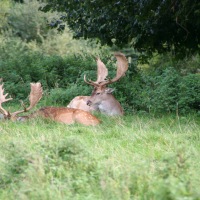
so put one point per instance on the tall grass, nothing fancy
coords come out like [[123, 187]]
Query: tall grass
[[134, 157]]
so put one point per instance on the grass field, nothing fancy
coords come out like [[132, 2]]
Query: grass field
[[134, 157]]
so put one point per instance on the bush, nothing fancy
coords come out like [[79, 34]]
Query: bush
[[22, 66], [162, 91], [189, 93], [159, 91], [62, 96]]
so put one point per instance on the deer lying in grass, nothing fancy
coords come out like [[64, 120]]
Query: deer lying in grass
[[101, 98], [59, 114]]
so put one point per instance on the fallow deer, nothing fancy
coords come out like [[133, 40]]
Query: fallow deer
[[59, 114], [101, 98]]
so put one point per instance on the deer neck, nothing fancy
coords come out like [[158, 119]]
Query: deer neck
[[110, 106]]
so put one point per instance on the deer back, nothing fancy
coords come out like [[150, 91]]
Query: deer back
[[80, 102], [67, 115]]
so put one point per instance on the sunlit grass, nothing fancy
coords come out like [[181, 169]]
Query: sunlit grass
[[134, 157]]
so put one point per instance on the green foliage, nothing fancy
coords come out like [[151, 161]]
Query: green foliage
[[26, 22], [5, 6], [147, 26], [162, 90], [158, 89], [20, 65], [62, 96], [189, 92], [62, 77], [60, 62]]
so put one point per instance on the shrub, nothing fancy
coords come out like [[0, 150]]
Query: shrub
[[162, 90], [189, 93], [159, 91], [62, 96], [22, 66]]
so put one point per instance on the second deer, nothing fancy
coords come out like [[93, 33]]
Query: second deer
[[59, 114]]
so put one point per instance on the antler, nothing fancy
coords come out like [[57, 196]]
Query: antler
[[102, 72], [2, 100], [90, 82], [34, 97], [122, 67]]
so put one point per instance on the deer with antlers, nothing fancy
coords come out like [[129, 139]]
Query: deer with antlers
[[59, 114], [101, 98]]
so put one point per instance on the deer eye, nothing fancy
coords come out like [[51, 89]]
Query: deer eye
[[98, 93]]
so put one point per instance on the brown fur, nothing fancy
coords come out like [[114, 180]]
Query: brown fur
[[65, 115]]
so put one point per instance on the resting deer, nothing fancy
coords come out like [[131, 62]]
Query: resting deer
[[59, 114], [101, 98]]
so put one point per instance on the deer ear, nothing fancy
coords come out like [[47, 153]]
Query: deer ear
[[109, 90]]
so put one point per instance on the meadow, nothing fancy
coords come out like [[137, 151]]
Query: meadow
[[138, 156]]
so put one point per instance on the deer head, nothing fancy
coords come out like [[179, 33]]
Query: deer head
[[34, 98], [100, 92]]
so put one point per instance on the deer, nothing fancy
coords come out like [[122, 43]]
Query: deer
[[58, 114], [102, 99]]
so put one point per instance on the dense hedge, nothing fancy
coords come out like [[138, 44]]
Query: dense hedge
[[154, 90], [165, 90]]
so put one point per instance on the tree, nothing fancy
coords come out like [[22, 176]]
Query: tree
[[147, 25], [5, 6], [26, 21]]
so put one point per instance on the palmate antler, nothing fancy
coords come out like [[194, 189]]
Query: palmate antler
[[2, 100], [34, 98], [102, 72]]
